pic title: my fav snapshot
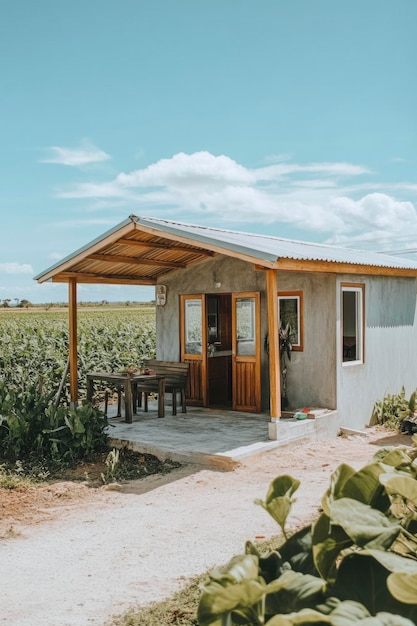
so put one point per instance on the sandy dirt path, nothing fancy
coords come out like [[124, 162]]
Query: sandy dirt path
[[77, 556]]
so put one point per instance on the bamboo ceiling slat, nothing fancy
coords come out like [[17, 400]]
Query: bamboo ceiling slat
[[113, 258], [157, 245]]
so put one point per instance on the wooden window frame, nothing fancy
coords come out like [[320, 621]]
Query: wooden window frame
[[298, 296]]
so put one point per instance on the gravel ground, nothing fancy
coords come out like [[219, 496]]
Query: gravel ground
[[73, 556]]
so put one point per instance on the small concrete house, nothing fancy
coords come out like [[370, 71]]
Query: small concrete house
[[222, 297]]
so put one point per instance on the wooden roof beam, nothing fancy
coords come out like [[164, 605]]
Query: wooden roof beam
[[117, 258], [296, 265], [164, 246], [91, 278]]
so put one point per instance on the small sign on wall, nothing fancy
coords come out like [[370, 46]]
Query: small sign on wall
[[161, 295]]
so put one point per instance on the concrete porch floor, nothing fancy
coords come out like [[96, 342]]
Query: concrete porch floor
[[213, 438]]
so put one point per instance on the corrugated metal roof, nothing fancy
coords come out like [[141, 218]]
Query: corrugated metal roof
[[142, 250], [271, 248]]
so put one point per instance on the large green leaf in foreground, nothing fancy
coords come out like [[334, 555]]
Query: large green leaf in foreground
[[279, 499], [364, 546]]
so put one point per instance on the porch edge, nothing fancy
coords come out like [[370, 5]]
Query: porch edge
[[324, 426]]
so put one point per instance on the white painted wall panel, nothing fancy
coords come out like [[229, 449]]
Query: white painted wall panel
[[390, 348]]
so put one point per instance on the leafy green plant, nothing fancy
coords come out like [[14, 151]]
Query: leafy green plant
[[393, 409], [279, 499], [357, 562], [32, 427], [33, 360], [36, 344]]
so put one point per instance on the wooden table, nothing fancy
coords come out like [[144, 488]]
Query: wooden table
[[128, 381]]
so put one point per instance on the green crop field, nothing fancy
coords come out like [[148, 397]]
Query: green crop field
[[34, 344]]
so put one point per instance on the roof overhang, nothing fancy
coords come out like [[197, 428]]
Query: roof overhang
[[142, 251], [139, 252]]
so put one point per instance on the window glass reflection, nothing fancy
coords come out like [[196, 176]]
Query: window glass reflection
[[245, 326], [193, 327]]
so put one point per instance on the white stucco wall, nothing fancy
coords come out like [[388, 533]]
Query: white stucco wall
[[390, 348]]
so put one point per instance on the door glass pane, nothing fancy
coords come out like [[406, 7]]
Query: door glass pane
[[193, 327], [245, 326]]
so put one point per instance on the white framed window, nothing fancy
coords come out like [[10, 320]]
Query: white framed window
[[352, 323]]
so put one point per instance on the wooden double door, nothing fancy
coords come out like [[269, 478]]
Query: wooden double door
[[220, 339]]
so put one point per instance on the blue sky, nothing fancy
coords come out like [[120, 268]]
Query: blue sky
[[297, 119]]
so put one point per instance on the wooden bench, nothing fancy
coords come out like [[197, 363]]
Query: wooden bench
[[175, 374]]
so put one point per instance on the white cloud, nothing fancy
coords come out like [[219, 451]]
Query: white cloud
[[376, 210], [86, 154], [377, 215], [204, 171], [336, 169], [15, 268], [204, 168], [323, 197], [200, 168]]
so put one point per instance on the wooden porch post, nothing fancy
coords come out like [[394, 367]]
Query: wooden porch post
[[273, 334], [73, 351]]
